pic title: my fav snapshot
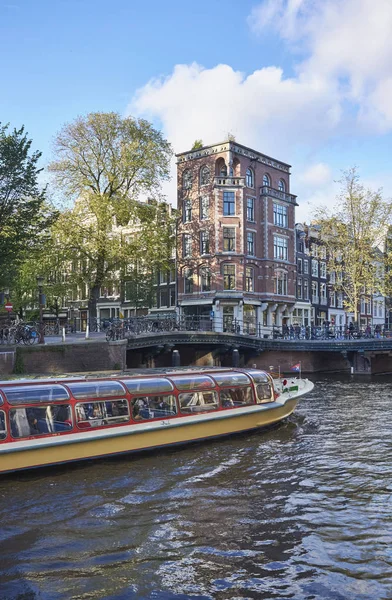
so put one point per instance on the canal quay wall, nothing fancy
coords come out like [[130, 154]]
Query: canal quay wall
[[59, 358], [99, 355]]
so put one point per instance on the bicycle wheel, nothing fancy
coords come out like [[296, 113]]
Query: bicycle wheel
[[18, 337], [30, 337]]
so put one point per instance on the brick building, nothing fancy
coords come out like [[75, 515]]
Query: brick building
[[236, 237], [302, 313]]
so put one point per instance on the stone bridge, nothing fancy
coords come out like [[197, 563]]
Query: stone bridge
[[208, 348]]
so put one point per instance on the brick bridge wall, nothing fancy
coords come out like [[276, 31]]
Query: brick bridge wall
[[101, 356], [69, 358], [311, 362]]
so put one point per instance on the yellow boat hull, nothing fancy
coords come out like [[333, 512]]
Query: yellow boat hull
[[86, 445]]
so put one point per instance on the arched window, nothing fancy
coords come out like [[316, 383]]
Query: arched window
[[220, 168], [249, 178], [266, 180], [204, 175], [187, 179], [205, 279], [281, 185], [236, 168]]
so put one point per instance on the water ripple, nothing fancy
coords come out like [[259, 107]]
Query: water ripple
[[300, 511]]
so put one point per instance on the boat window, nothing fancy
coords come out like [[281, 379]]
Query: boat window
[[96, 389], [264, 393], [197, 402], [157, 407], [40, 420], [29, 394], [148, 386], [236, 397], [259, 376], [99, 414], [3, 428], [192, 382], [229, 379]]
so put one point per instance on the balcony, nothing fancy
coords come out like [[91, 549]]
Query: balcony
[[229, 181], [272, 193]]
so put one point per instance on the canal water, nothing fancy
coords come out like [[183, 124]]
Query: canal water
[[301, 511]]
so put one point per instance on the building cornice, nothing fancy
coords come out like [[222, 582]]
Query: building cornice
[[237, 148]]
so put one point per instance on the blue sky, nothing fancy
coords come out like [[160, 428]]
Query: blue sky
[[306, 81]]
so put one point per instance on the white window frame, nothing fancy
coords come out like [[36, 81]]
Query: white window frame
[[204, 208], [249, 178], [187, 245], [281, 248], [280, 215]]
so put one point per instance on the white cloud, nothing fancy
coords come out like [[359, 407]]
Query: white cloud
[[347, 43], [343, 80], [316, 175], [263, 109], [287, 17]]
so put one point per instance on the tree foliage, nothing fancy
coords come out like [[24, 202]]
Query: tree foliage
[[108, 165], [24, 213], [47, 262], [354, 233], [197, 144]]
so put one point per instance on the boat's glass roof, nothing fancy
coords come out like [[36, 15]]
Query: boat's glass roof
[[96, 389], [192, 382], [25, 394], [259, 376], [231, 378], [148, 386]]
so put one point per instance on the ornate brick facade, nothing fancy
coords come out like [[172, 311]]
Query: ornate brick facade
[[236, 237]]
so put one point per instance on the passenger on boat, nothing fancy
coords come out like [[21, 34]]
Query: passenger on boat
[[33, 423], [263, 391], [162, 405], [227, 402], [80, 413], [140, 404], [3, 430]]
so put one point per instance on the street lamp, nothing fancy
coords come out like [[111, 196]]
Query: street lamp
[[41, 300]]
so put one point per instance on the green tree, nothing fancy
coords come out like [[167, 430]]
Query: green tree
[[354, 233], [48, 262], [24, 213], [148, 250], [107, 164], [197, 144]]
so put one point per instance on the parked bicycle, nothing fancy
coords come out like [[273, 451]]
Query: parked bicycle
[[18, 333], [115, 332]]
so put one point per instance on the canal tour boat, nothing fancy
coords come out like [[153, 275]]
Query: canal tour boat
[[53, 421]]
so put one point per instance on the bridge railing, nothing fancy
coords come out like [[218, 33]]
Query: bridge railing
[[127, 328]]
